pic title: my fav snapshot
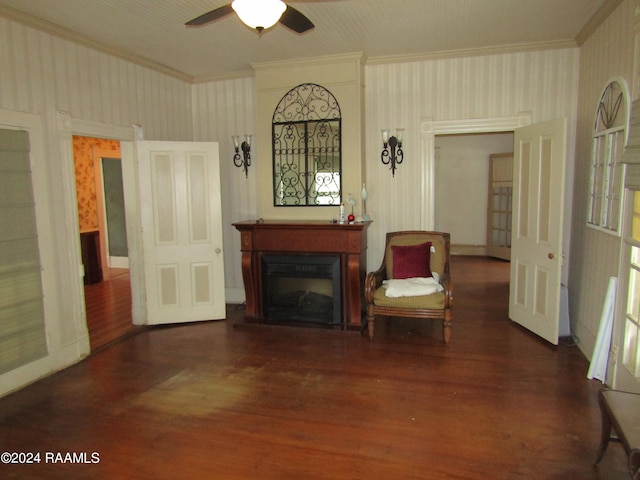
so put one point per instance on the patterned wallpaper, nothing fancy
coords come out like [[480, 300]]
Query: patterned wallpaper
[[85, 178]]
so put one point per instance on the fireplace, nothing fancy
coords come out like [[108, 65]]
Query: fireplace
[[301, 289], [344, 244]]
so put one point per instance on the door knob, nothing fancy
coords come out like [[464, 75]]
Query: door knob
[[551, 256]]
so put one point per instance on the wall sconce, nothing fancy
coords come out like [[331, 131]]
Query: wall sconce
[[243, 160], [392, 149]]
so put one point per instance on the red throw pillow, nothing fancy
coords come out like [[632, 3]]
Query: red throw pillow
[[412, 260]]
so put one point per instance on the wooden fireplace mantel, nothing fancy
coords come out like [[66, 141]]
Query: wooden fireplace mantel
[[348, 241]]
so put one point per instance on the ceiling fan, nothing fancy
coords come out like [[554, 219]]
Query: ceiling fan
[[259, 14]]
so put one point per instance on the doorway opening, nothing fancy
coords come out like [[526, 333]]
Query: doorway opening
[[466, 203], [99, 193]]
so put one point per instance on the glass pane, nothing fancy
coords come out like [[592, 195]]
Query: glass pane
[[635, 221], [635, 257], [633, 301], [503, 239], [614, 214], [503, 202], [614, 192], [597, 178], [631, 346]]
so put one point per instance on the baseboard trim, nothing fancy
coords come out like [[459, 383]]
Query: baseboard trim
[[478, 250]]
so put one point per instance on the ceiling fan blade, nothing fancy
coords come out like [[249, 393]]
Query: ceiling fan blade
[[296, 21], [210, 16]]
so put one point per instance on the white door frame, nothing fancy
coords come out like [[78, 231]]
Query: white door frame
[[428, 131], [67, 128]]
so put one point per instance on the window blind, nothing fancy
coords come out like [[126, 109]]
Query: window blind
[[22, 330]]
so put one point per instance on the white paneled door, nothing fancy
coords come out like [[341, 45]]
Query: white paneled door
[[536, 242], [180, 216]]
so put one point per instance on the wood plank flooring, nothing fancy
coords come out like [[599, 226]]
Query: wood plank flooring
[[210, 401], [108, 307]]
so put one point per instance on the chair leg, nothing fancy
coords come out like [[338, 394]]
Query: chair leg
[[605, 434], [446, 326], [370, 320], [447, 331], [634, 465]]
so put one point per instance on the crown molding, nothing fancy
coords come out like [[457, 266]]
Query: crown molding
[[324, 59], [473, 52], [596, 20], [66, 34], [239, 74]]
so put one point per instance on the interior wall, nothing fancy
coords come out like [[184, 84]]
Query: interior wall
[[542, 83], [608, 53], [343, 76], [222, 109], [56, 81], [85, 177], [461, 187]]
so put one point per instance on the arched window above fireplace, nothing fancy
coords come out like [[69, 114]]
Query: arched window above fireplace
[[307, 148]]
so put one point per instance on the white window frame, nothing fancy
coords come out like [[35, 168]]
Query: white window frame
[[629, 301], [606, 179]]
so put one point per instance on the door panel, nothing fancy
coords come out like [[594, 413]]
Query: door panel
[[536, 253], [181, 231]]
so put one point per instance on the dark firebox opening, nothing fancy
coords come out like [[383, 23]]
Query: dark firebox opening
[[301, 289]]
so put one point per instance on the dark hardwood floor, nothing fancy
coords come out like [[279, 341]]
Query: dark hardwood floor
[[108, 306], [210, 401]]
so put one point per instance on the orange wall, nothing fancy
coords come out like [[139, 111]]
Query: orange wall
[[85, 178]]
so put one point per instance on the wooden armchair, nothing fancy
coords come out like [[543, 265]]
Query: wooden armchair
[[411, 261]]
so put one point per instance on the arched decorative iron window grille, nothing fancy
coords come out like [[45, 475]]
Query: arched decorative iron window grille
[[307, 148], [606, 180]]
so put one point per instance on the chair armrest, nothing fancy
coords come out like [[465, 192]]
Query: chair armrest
[[447, 284], [372, 282]]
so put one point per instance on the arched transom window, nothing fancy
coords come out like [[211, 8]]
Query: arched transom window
[[606, 184]]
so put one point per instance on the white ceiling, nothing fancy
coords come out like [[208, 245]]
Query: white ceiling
[[384, 30]]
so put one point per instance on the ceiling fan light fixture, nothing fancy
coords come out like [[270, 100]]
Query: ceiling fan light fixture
[[259, 14]]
